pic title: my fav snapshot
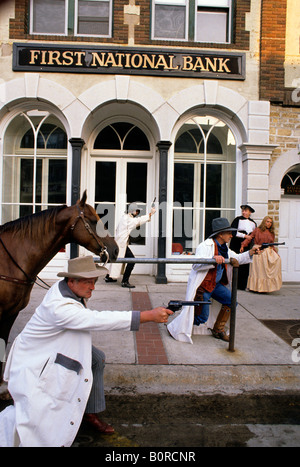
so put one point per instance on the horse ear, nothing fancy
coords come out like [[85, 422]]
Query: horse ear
[[83, 199]]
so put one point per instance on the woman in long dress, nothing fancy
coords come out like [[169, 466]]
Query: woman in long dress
[[265, 271]]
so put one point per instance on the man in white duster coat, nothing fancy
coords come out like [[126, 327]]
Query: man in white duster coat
[[128, 222], [182, 327], [49, 367]]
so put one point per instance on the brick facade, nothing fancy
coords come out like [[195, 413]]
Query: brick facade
[[19, 27], [284, 130], [272, 49]]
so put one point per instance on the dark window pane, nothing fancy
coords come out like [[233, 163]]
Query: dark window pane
[[183, 183], [57, 178], [57, 139], [185, 143], [26, 183], [105, 181], [213, 186], [107, 139], [136, 140], [136, 185]]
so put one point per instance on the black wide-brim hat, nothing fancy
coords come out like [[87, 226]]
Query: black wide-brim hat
[[221, 224], [245, 206]]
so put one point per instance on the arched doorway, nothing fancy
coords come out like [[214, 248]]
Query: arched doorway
[[289, 225], [121, 171]]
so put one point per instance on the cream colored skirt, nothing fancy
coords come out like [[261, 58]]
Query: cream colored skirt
[[265, 272]]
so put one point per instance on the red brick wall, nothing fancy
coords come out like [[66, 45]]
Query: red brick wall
[[272, 53], [19, 28]]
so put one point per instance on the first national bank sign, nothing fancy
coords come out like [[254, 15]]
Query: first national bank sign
[[82, 59]]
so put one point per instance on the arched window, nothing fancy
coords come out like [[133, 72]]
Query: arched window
[[122, 136], [34, 168], [204, 179], [290, 184]]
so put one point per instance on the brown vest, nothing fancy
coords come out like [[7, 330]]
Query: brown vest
[[209, 282]]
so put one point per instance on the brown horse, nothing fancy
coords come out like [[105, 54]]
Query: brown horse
[[29, 243]]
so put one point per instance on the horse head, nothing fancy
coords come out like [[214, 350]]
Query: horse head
[[89, 231]]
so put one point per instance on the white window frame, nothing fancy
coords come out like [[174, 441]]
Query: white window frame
[[65, 33], [94, 35], [217, 4], [184, 3], [225, 4]]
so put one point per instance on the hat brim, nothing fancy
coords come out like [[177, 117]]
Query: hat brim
[[246, 206], [229, 229], [99, 272]]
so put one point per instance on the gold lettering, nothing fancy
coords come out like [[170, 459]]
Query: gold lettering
[[44, 61], [34, 55], [127, 63], [187, 63], [140, 61], [96, 58], [161, 62], [79, 58], [119, 57], [199, 64], [54, 57], [210, 64], [110, 60], [149, 61], [67, 57], [171, 58], [222, 64]]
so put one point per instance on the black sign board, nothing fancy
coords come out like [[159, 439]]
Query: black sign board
[[117, 60]]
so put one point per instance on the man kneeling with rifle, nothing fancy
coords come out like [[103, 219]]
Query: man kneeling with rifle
[[208, 281]]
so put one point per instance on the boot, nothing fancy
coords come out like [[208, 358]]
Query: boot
[[218, 330]]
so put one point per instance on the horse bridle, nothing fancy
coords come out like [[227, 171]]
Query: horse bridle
[[103, 249], [29, 281]]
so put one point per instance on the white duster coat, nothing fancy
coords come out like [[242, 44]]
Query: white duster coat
[[125, 226], [50, 398], [182, 328]]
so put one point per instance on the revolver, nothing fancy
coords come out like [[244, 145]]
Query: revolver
[[175, 305], [265, 245]]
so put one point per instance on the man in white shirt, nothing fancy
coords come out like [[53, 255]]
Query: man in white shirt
[[128, 222]]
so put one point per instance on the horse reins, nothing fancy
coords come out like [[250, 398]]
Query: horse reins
[[90, 231], [29, 281]]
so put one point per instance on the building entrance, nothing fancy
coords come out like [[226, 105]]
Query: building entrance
[[122, 172]]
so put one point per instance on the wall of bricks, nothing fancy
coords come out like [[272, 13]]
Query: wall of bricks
[[272, 49], [19, 28], [284, 129]]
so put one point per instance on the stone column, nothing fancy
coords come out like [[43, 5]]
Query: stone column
[[163, 147], [256, 158], [77, 144]]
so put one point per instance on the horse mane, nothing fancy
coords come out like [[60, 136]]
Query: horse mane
[[38, 223]]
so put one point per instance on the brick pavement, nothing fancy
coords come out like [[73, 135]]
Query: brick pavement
[[149, 345]]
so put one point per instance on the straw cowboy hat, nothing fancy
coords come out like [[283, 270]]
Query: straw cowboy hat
[[221, 224], [83, 268]]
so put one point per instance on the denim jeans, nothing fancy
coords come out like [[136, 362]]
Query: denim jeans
[[221, 294]]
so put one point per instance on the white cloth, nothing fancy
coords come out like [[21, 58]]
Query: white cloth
[[50, 398], [181, 328], [127, 223]]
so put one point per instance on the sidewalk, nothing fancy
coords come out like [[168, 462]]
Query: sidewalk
[[152, 362]]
